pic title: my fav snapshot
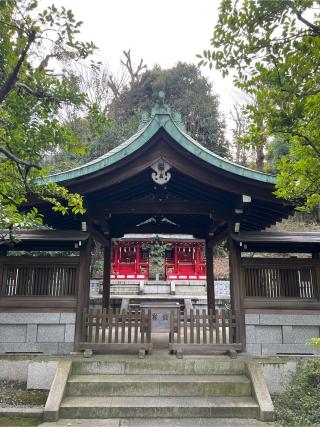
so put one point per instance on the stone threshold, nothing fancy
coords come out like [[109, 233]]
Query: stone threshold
[[22, 411]]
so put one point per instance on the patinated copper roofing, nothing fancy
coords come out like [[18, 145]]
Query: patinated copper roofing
[[161, 119], [205, 192]]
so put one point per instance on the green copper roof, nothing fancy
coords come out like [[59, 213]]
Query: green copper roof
[[161, 119]]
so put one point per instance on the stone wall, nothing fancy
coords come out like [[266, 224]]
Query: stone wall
[[272, 334], [278, 371], [48, 333]]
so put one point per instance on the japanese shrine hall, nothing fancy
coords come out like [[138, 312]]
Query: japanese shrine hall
[[161, 181]]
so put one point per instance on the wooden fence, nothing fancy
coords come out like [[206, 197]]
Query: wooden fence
[[109, 330], [281, 278], [218, 330]]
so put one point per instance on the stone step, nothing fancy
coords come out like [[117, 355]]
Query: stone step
[[201, 366], [158, 407], [158, 385], [152, 422]]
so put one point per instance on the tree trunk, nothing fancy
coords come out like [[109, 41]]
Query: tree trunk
[[260, 156]]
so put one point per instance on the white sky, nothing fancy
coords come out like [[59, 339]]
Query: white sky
[[162, 32]]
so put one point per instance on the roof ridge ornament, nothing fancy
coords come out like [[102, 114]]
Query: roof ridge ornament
[[161, 107], [144, 120], [177, 118]]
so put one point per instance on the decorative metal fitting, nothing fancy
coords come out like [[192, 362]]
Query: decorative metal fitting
[[161, 174]]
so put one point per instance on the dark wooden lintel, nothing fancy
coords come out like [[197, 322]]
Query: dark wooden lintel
[[160, 207]]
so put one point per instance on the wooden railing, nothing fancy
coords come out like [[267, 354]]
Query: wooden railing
[[106, 330], [39, 282], [34, 276], [217, 329], [281, 278]]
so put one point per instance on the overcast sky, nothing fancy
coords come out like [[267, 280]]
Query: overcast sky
[[161, 32]]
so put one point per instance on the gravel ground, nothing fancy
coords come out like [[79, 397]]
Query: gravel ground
[[14, 393]]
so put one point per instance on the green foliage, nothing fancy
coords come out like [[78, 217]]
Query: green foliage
[[220, 250], [126, 98], [112, 136], [276, 150], [314, 342], [18, 421], [157, 250], [32, 97], [187, 92], [97, 268], [299, 405], [273, 48]]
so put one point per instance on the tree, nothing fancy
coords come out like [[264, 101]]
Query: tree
[[135, 90], [273, 48], [276, 149], [239, 129], [33, 91], [96, 131], [187, 92]]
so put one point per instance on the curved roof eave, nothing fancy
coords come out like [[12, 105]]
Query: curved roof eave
[[165, 121]]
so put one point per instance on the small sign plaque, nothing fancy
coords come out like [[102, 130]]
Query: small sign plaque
[[160, 316]]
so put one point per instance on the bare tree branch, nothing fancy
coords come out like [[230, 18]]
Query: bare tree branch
[[134, 73], [114, 87]]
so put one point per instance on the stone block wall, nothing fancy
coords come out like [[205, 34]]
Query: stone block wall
[[48, 333], [272, 334]]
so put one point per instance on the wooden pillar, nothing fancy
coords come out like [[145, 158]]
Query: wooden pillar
[[316, 272], [106, 276], [116, 259], [3, 253], [196, 259], [236, 284], [176, 262], [3, 250], [138, 260], [210, 278], [83, 289]]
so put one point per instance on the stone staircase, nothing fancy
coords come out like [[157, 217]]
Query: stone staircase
[[153, 389]]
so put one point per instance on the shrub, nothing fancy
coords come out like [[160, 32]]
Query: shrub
[[299, 405]]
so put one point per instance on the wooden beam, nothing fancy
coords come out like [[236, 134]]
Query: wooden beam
[[210, 278], [39, 302], [159, 207], [119, 230]]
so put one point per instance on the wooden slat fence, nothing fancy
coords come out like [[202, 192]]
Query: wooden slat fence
[[214, 328], [33, 276], [280, 278], [103, 328]]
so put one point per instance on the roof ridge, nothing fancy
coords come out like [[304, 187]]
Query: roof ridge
[[161, 119]]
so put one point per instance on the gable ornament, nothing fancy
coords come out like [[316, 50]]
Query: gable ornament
[[161, 174]]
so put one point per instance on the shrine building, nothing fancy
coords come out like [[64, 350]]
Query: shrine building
[[183, 258], [162, 182]]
